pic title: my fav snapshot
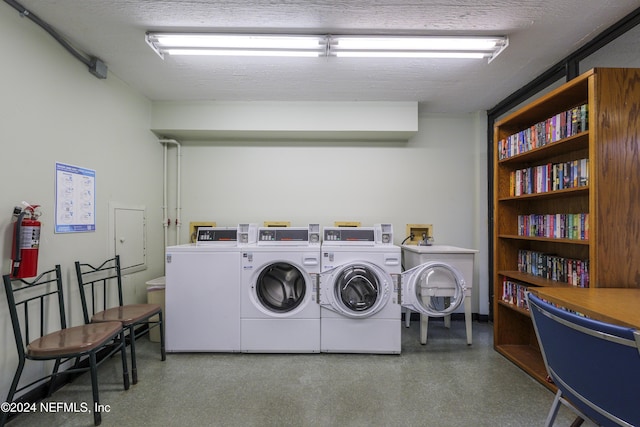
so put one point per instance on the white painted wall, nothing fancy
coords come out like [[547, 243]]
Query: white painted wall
[[621, 52], [52, 109], [437, 177], [273, 120]]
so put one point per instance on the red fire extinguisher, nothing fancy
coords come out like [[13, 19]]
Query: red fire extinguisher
[[26, 241]]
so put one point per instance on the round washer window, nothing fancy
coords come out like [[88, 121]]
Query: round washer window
[[440, 290], [281, 287], [358, 288]]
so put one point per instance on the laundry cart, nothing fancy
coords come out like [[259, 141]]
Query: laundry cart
[[458, 259]]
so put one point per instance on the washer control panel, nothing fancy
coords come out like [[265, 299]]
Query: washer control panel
[[292, 236], [212, 235], [349, 235], [284, 234]]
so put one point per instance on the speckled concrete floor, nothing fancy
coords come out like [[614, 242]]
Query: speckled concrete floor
[[443, 383]]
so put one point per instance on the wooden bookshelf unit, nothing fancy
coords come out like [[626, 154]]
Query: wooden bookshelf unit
[[582, 183]]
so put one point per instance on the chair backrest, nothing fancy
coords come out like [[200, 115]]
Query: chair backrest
[[98, 286], [36, 306], [595, 365]]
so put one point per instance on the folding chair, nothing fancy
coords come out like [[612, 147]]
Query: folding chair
[[595, 365], [32, 308], [97, 305]]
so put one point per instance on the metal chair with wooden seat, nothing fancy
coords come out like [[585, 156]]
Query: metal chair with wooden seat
[[100, 305], [31, 306], [595, 365]]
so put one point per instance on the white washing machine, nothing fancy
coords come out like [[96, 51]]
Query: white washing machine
[[359, 306], [362, 290], [202, 293], [279, 306]]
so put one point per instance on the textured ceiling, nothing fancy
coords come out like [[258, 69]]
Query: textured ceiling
[[541, 33]]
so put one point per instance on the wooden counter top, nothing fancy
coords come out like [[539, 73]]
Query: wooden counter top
[[620, 306]]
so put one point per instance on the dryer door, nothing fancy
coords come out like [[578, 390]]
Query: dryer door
[[433, 288], [357, 289], [280, 287]]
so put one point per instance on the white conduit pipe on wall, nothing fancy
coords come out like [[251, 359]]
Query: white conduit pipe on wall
[[165, 219]]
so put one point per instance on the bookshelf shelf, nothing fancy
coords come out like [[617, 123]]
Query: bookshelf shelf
[[531, 279], [557, 194], [608, 139], [527, 358], [545, 239], [515, 308], [572, 143]]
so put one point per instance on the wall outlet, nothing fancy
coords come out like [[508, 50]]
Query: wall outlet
[[418, 233]]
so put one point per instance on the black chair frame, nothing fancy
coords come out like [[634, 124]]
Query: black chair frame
[[43, 292], [97, 281]]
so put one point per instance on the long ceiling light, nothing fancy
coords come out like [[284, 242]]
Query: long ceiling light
[[417, 47], [236, 44], [325, 45]]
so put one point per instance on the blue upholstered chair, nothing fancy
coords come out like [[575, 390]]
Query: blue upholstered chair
[[595, 365]]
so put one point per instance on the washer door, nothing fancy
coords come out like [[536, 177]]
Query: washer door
[[357, 289], [280, 287], [433, 288]]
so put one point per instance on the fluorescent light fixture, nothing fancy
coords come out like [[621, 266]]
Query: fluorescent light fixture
[[239, 52], [236, 44], [325, 45], [409, 54], [417, 47]]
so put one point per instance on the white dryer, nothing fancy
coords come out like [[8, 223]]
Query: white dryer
[[279, 279], [202, 294], [359, 306], [362, 290]]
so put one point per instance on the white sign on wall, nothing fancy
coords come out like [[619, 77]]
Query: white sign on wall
[[75, 199]]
